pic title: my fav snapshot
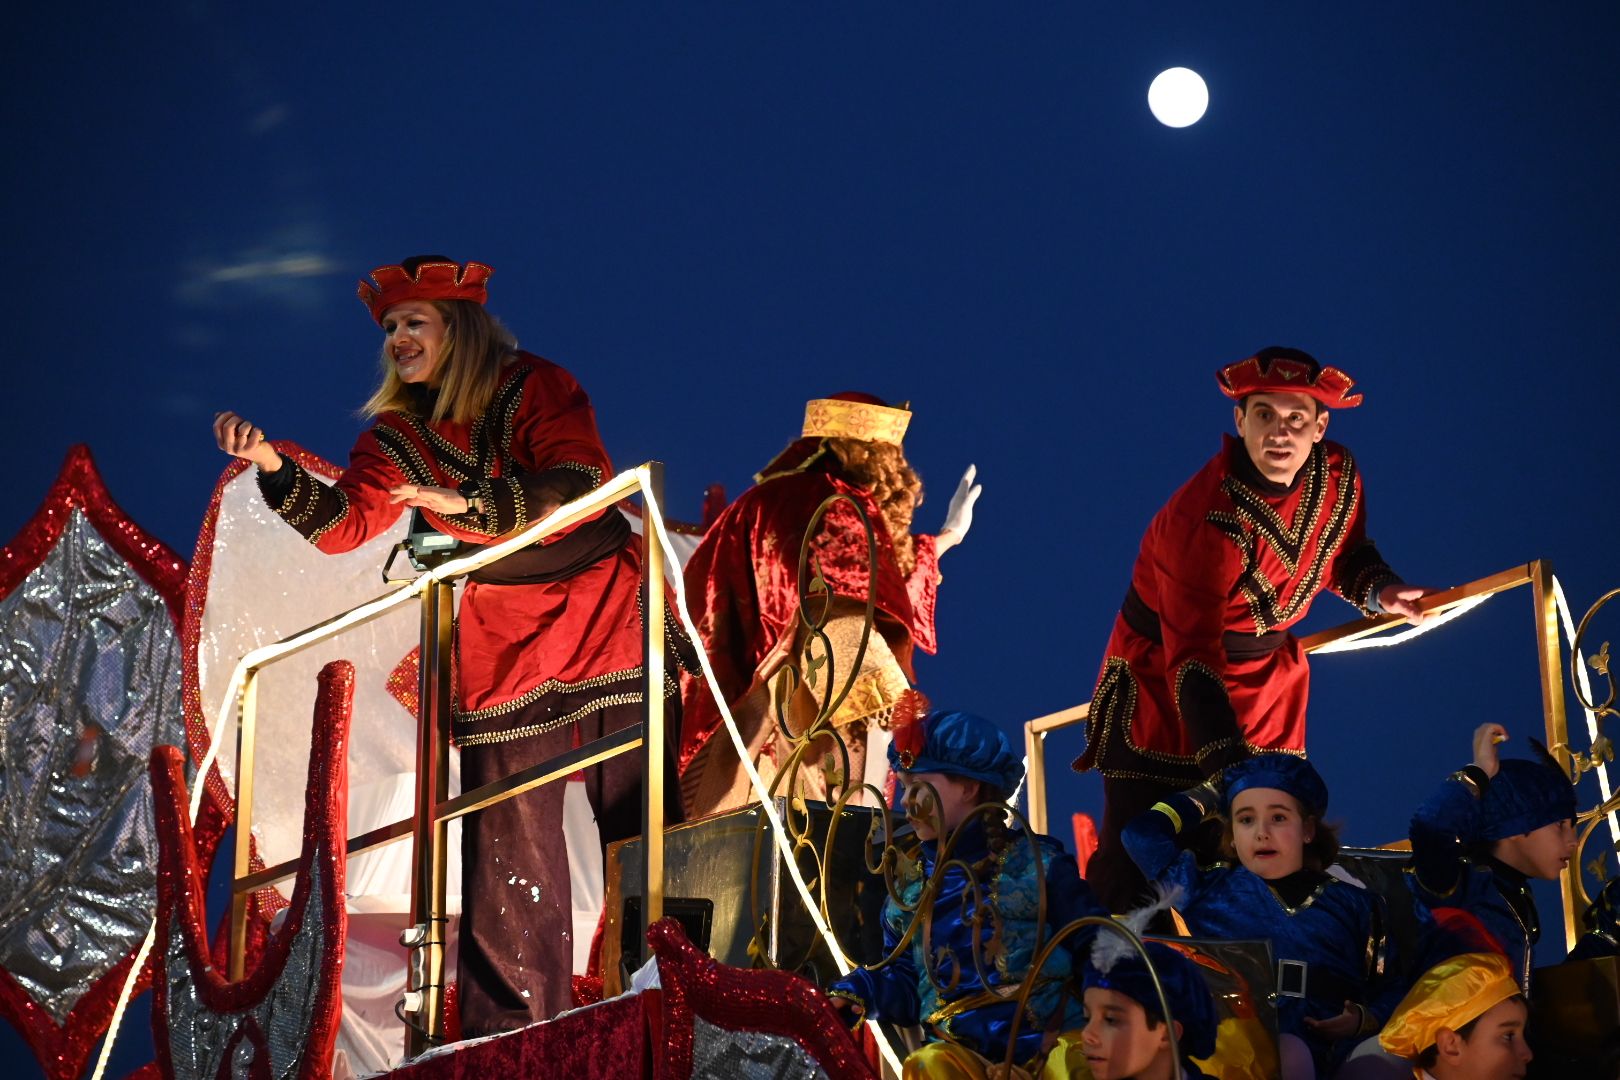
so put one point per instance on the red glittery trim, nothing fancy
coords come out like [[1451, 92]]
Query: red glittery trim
[[182, 883], [62, 1050], [403, 682], [774, 1002], [80, 485], [452, 1011]]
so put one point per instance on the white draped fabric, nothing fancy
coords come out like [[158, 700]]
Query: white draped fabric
[[264, 582]]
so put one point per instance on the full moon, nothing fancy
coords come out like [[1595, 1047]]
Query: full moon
[[1178, 97]]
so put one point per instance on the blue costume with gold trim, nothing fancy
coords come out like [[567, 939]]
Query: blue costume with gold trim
[[1327, 936], [902, 991]]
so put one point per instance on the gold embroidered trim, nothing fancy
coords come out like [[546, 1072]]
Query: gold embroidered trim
[[1199, 665], [1117, 673], [1288, 541], [1254, 518], [508, 399], [1369, 580], [589, 470], [558, 686], [446, 447], [403, 453], [302, 494], [1118, 680], [1305, 903], [1218, 744], [487, 737], [343, 512]]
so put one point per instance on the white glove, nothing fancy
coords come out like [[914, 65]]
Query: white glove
[[959, 516]]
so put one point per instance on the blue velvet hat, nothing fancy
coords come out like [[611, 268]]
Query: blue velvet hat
[[1284, 772], [1190, 1000], [955, 743], [1525, 795]]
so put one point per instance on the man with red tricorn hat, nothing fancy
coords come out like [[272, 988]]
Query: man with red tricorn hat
[[743, 581], [1201, 671]]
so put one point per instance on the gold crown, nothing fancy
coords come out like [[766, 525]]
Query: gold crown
[[839, 419]]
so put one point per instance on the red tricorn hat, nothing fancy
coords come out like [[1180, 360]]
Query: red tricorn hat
[[434, 279], [1277, 370]]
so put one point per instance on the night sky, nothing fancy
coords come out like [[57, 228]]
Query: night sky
[[711, 213]]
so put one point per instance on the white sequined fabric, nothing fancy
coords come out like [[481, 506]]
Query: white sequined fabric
[[265, 582]]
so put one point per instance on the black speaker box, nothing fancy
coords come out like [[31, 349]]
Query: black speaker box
[[724, 880]]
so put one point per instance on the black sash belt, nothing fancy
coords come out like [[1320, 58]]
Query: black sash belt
[[536, 564], [1145, 621]]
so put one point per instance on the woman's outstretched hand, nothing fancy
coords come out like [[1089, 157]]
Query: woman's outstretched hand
[[437, 499], [240, 438]]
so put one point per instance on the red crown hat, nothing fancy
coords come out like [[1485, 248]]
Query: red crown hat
[[390, 285], [1287, 371]]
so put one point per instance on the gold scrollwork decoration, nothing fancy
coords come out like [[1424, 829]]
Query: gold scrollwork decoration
[[1601, 752], [813, 668]]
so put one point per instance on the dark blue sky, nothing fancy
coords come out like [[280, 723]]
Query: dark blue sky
[[710, 214]]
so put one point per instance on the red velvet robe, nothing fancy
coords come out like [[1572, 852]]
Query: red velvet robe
[[514, 643], [1200, 669], [742, 582]]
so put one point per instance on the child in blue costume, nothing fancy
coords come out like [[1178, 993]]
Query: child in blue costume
[[1126, 1037], [1477, 841], [1327, 936], [950, 763]]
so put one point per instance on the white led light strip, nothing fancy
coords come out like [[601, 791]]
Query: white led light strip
[[1384, 641]]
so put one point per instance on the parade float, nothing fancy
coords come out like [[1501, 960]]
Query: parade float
[[306, 701]]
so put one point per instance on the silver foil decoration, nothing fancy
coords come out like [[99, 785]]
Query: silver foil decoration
[[83, 640], [200, 1039], [722, 1054]]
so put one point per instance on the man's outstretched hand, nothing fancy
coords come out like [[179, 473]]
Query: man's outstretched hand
[[1403, 600]]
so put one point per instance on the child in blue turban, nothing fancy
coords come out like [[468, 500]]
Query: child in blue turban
[[1476, 843], [952, 763], [1271, 881]]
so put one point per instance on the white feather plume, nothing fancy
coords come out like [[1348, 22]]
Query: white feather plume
[[1110, 948]]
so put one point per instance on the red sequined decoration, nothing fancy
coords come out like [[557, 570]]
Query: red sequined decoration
[[404, 682], [182, 882], [62, 1050], [906, 726], [774, 1002]]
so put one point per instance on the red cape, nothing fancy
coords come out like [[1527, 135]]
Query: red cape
[[742, 584]]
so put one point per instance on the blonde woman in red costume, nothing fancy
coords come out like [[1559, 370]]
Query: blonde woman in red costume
[[486, 438]]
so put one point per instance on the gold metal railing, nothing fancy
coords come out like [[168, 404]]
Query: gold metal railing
[[1549, 659], [434, 809]]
